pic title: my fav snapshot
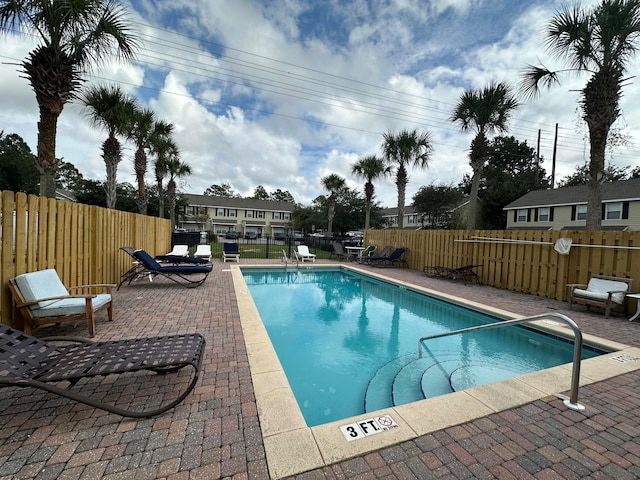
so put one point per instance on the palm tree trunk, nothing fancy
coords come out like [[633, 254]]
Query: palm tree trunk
[[140, 166], [600, 105], [473, 213], [47, 161], [368, 193], [367, 216], [477, 159], [331, 214], [171, 193], [401, 184], [111, 156], [160, 199], [594, 193]]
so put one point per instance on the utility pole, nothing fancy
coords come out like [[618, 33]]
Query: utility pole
[[553, 160], [538, 158]]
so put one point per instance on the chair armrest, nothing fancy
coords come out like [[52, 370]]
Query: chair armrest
[[34, 302], [94, 285], [573, 286]]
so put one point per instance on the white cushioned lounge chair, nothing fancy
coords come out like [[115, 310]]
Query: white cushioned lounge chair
[[303, 254], [41, 298]]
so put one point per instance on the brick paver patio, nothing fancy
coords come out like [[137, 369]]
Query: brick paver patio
[[215, 432]]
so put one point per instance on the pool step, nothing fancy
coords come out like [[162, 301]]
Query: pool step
[[378, 394], [408, 378], [467, 376], [406, 384], [399, 381]]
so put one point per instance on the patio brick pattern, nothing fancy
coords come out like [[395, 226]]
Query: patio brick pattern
[[215, 433]]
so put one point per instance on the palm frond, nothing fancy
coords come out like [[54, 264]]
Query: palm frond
[[534, 77], [569, 26]]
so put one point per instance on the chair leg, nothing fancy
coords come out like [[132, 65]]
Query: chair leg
[[110, 310], [90, 323]]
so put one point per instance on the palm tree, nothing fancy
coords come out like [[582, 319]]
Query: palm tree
[[111, 109], [72, 36], [165, 150], [335, 184], [176, 169], [600, 42], [145, 132], [369, 168], [484, 111], [401, 150]]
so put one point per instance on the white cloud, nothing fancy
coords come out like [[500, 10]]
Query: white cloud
[[353, 71]]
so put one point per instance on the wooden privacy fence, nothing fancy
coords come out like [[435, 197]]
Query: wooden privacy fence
[[521, 260], [80, 241]]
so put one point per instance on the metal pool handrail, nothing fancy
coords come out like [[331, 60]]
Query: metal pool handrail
[[572, 401]]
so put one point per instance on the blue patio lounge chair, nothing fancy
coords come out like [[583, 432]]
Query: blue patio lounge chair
[[231, 252], [395, 258], [366, 254], [56, 365], [385, 252], [190, 275]]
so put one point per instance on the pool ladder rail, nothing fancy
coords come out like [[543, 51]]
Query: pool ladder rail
[[572, 401], [285, 259]]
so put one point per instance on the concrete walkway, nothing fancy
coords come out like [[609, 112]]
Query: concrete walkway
[[216, 432]]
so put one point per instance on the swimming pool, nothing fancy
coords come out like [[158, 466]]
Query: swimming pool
[[348, 342]]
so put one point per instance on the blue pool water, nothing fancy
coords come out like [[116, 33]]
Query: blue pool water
[[348, 343]]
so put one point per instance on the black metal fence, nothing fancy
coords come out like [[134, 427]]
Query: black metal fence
[[260, 248]]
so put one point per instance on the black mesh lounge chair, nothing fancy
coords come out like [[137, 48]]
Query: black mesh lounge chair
[[395, 258], [27, 361], [191, 274], [338, 250], [466, 273]]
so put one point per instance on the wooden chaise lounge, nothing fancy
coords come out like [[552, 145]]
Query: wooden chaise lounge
[[601, 291]]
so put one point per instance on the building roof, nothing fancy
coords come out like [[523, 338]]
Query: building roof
[[625, 190], [239, 203], [389, 212], [65, 195]]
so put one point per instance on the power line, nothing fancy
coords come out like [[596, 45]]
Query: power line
[[389, 109]]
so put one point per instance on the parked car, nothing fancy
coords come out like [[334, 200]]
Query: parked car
[[250, 235], [231, 235], [298, 235], [280, 236]]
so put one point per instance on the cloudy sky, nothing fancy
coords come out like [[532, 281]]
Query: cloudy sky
[[283, 93]]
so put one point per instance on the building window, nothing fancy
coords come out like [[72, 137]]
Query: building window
[[276, 215], [544, 214], [219, 212], [411, 219], [581, 212], [613, 211], [521, 215], [248, 213], [231, 212], [286, 216], [259, 214]]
